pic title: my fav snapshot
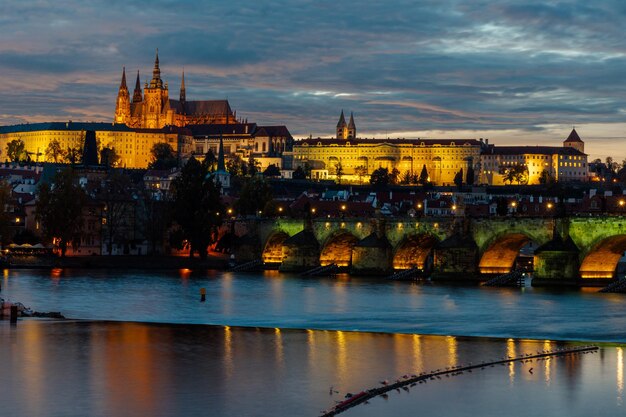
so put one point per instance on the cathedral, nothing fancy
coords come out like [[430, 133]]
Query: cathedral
[[154, 109]]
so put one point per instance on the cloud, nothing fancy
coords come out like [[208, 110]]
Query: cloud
[[447, 66]]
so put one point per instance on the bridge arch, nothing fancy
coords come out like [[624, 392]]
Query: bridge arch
[[273, 248], [413, 251], [601, 260], [337, 249], [500, 254]]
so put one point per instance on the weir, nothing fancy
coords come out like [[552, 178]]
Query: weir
[[363, 396]]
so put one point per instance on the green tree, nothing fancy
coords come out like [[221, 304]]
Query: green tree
[[210, 161], [155, 216], [254, 196], [508, 174], [59, 209], [163, 156], [54, 152], [380, 178], [16, 150], [406, 178], [520, 174], [424, 177], [197, 207], [502, 207]]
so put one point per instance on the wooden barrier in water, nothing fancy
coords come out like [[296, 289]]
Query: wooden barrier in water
[[406, 381]]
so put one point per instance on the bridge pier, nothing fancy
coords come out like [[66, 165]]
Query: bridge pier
[[556, 262], [456, 258], [372, 256], [300, 252]]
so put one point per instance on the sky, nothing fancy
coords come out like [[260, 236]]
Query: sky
[[517, 73]]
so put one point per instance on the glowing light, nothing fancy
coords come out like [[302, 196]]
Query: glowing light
[[343, 206], [230, 211], [454, 207], [621, 203], [514, 204], [17, 220], [313, 210], [419, 205], [280, 209], [549, 205]]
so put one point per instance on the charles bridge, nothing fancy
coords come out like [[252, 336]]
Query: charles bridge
[[566, 250]]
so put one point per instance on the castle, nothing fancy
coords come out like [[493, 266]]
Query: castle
[[154, 109]]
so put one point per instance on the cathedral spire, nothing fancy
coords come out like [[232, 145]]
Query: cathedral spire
[[137, 93], [342, 120], [156, 81], [351, 125], [123, 83], [183, 96]]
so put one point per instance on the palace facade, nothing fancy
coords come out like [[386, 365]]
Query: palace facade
[[358, 158]]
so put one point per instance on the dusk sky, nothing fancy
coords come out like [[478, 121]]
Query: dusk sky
[[514, 72]]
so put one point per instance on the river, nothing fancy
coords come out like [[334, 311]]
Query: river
[[271, 344]]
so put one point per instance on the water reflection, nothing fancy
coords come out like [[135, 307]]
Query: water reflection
[[130, 369]]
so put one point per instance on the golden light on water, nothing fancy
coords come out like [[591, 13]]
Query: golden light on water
[[547, 346], [228, 351], [620, 375], [452, 350], [511, 352]]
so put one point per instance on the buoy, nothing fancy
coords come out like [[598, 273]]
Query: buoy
[[202, 295]]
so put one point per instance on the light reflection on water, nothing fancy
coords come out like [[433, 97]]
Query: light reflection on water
[[132, 369], [347, 303]]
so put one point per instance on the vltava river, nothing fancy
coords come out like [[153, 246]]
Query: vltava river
[[270, 368]]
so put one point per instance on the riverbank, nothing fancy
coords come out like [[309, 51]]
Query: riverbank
[[161, 262]]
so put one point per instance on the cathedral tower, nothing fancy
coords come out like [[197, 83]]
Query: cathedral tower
[[351, 128], [342, 127], [122, 106], [137, 97], [156, 100]]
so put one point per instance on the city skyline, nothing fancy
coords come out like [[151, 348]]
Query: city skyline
[[452, 69]]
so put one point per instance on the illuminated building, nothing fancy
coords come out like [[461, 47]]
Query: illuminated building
[[543, 163], [132, 146], [153, 109], [358, 158]]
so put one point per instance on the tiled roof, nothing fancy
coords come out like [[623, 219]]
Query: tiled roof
[[414, 142], [532, 150], [222, 129], [70, 126], [273, 131], [216, 107], [573, 137]]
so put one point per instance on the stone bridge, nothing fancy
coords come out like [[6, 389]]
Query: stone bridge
[[566, 249]]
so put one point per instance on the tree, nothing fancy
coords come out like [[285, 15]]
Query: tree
[[458, 178], [254, 196], [339, 171], [253, 166], [272, 171], [406, 178], [210, 161], [118, 206], [520, 174], [154, 219], [469, 178], [236, 167], [394, 175], [73, 155], [360, 171], [5, 218], [380, 178], [424, 177], [298, 174], [109, 157], [16, 150], [163, 156], [59, 209], [197, 207], [54, 152]]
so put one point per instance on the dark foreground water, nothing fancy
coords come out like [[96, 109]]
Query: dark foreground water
[[104, 369], [86, 368], [289, 301]]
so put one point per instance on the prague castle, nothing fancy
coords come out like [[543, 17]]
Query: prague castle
[[154, 109]]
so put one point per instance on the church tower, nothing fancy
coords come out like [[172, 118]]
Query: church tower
[[156, 100], [183, 95], [351, 128], [122, 105], [137, 97], [574, 141], [342, 127]]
